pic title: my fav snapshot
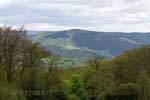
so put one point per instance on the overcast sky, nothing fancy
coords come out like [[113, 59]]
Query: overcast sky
[[98, 15]]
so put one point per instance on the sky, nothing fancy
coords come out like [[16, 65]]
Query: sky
[[97, 15]]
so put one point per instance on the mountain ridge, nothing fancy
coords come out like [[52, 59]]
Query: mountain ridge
[[84, 44], [76, 29]]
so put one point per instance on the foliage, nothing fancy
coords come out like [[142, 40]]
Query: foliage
[[76, 88], [10, 92], [29, 71], [143, 86]]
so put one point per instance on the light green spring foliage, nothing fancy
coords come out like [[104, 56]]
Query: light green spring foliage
[[76, 88]]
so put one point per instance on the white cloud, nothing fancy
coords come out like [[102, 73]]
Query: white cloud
[[47, 27], [5, 3], [101, 15]]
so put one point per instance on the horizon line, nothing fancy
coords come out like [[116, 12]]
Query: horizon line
[[87, 30]]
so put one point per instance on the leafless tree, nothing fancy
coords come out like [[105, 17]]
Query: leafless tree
[[10, 40]]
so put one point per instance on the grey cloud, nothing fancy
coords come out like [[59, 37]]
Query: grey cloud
[[92, 14]]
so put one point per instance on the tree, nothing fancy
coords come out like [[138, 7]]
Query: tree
[[123, 91], [77, 88], [10, 42], [98, 79], [128, 66], [10, 92], [143, 86]]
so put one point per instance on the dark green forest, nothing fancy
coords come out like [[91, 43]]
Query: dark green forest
[[28, 71]]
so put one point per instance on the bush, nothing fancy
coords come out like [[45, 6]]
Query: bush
[[10, 92]]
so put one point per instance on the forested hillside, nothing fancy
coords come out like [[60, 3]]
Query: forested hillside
[[81, 45], [28, 71]]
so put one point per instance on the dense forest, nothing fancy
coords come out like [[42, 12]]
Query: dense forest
[[28, 71]]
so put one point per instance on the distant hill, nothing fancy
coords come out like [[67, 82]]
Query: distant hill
[[83, 44]]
